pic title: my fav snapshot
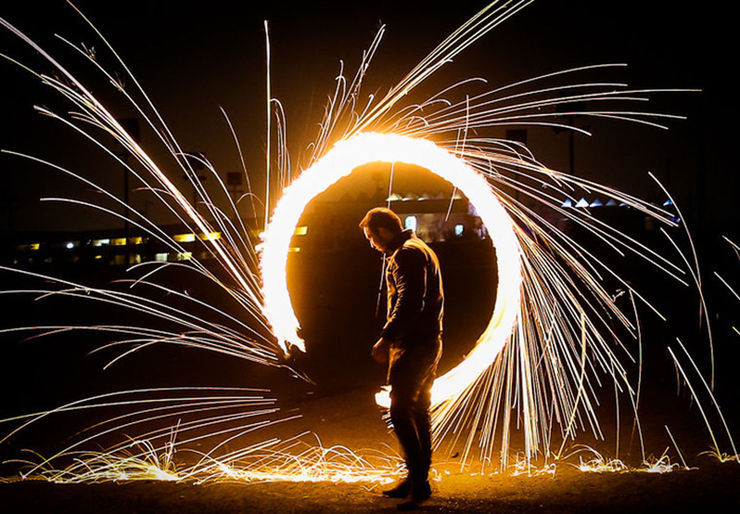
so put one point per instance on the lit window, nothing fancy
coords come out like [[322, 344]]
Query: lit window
[[294, 249], [459, 230], [98, 257], [184, 256], [118, 260], [118, 241], [100, 242], [301, 231], [161, 257], [410, 222], [211, 236], [134, 258], [135, 240], [34, 246], [184, 238]]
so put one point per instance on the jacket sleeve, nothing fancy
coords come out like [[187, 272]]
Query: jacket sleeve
[[409, 274]]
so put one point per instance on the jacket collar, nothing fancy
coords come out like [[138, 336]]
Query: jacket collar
[[400, 239]]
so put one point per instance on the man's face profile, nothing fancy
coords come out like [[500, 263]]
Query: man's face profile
[[378, 239]]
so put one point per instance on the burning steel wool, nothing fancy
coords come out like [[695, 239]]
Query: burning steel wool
[[552, 339]]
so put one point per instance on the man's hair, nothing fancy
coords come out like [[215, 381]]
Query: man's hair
[[380, 217]]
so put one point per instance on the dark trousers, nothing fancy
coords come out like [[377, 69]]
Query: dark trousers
[[411, 373]]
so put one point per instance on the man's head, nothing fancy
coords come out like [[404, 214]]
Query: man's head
[[381, 227]]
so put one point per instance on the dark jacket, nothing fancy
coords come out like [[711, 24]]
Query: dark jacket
[[415, 294]]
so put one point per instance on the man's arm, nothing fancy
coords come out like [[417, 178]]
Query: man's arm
[[409, 275]]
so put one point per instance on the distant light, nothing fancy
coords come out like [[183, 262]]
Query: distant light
[[294, 249], [211, 236], [184, 256], [567, 204], [459, 230], [100, 242], [301, 231], [582, 203], [161, 257], [597, 203], [184, 238], [410, 222], [98, 257], [34, 246], [611, 203], [667, 203], [70, 245]]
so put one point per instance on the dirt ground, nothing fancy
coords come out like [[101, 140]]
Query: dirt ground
[[712, 489]]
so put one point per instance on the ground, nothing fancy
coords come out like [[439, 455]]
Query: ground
[[713, 488]]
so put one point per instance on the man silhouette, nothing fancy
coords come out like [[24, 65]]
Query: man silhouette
[[410, 342]]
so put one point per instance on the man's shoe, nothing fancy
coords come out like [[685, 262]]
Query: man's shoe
[[421, 491], [419, 494], [402, 490]]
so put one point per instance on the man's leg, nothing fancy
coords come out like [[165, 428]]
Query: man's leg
[[422, 418], [422, 422], [411, 375], [404, 425], [421, 490]]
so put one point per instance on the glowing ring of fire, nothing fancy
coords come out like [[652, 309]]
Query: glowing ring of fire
[[365, 148]]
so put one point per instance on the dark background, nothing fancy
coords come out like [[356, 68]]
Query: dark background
[[191, 59]]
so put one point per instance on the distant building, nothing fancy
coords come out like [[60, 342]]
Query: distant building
[[329, 226], [103, 248], [324, 227]]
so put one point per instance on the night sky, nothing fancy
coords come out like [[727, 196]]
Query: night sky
[[193, 57]]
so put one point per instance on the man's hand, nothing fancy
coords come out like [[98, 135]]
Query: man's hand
[[380, 350]]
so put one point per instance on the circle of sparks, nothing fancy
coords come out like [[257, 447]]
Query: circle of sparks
[[339, 162]]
